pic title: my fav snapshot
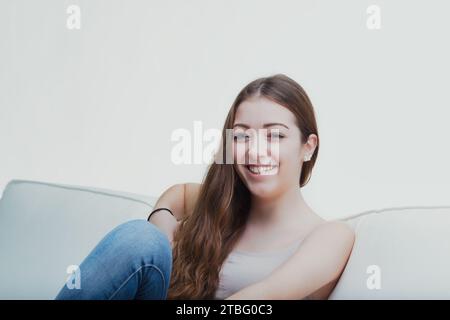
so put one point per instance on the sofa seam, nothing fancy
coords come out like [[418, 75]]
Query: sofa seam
[[378, 211], [80, 188]]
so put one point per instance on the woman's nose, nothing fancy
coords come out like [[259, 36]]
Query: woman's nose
[[257, 149]]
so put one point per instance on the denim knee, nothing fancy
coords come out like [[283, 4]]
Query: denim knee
[[142, 240]]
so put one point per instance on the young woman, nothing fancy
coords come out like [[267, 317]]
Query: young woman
[[245, 232]]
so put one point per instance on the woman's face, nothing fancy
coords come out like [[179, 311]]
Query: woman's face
[[266, 139]]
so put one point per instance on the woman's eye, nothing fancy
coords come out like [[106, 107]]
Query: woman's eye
[[276, 136], [244, 137], [240, 137]]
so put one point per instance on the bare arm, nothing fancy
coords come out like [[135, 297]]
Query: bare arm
[[173, 199], [319, 261], [180, 199]]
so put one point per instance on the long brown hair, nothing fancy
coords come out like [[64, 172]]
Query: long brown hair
[[206, 237]]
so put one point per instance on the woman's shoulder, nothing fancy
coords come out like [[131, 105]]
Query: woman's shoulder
[[333, 230], [191, 192], [319, 224]]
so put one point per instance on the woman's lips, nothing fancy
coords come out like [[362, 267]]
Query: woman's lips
[[262, 171]]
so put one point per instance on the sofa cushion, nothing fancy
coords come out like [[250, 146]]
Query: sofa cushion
[[46, 227], [407, 249]]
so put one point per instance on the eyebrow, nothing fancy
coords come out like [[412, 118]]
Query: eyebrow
[[264, 126]]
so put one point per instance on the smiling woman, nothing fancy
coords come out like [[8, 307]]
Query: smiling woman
[[250, 210], [245, 232]]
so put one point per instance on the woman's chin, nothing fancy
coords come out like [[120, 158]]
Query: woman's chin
[[261, 190]]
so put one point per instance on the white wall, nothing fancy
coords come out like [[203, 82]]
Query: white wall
[[97, 106]]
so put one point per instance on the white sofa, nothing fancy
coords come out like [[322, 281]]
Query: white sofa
[[46, 227]]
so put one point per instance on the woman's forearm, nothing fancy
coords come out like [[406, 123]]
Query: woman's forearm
[[173, 199], [164, 221]]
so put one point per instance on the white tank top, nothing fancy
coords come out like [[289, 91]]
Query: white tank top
[[242, 268]]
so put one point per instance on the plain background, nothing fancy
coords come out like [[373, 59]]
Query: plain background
[[97, 106]]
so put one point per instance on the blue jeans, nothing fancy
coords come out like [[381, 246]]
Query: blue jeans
[[133, 261]]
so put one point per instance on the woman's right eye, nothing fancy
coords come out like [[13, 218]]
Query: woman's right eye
[[239, 137]]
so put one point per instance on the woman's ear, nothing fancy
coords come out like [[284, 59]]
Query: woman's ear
[[309, 147]]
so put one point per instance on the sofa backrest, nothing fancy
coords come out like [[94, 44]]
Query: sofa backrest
[[46, 227], [399, 253]]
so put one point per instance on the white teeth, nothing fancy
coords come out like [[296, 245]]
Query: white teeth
[[263, 170]]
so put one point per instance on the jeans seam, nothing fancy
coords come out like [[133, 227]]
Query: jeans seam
[[139, 269]]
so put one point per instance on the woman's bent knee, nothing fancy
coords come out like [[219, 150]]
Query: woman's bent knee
[[141, 238], [141, 230]]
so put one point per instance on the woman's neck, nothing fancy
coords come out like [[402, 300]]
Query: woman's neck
[[282, 211]]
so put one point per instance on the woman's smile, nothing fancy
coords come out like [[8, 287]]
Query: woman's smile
[[262, 170]]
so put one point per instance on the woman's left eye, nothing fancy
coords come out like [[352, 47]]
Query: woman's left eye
[[276, 135]]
